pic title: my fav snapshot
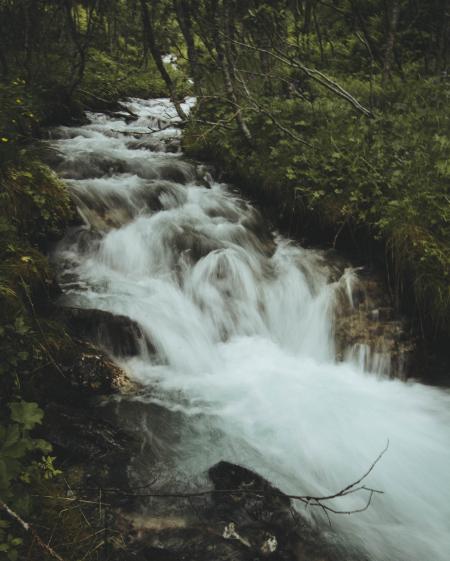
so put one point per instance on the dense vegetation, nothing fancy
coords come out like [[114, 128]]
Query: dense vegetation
[[334, 114], [56, 60]]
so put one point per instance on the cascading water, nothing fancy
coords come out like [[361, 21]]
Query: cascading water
[[241, 327]]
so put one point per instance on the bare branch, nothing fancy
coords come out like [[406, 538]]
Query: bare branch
[[312, 73], [29, 529], [308, 500]]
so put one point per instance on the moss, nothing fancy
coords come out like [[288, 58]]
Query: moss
[[34, 202]]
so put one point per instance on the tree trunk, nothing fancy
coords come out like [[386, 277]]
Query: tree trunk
[[361, 22], [183, 14], [443, 36], [227, 71], [149, 38], [392, 17], [3, 62]]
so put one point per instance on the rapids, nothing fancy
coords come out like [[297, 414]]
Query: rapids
[[241, 323]]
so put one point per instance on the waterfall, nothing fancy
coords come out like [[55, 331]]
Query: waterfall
[[241, 326]]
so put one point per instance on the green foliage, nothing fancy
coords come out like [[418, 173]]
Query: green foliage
[[17, 117], [24, 461], [34, 201], [34, 209], [385, 178], [116, 80]]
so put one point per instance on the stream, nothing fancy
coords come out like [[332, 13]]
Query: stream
[[239, 359]]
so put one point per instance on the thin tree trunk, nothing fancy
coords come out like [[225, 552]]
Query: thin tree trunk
[[443, 36], [149, 37], [183, 14], [224, 63], [362, 24], [392, 17], [81, 45]]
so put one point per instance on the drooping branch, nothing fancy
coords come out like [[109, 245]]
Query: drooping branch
[[312, 73], [258, 108]]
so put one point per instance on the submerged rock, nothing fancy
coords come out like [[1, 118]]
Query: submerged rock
[[257, 524]]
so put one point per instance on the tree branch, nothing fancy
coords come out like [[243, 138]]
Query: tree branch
[[29, 529], [308, 500], [312, 73]]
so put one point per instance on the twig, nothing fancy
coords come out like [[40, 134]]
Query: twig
[[29, 529], [68, 499], [259, 109], [312, 73], [315, 501], [151, 131]]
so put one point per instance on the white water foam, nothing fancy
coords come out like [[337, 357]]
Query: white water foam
[[242, 324]]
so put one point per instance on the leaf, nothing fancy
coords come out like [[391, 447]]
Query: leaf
[[12, 437], [27, 414], [20, 326], [42, 445]]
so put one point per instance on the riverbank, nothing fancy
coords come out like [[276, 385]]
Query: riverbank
[[47, 361], [372, 189], [237, 342], [126, 172]]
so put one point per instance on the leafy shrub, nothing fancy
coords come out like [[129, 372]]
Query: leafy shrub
[[384, 181]]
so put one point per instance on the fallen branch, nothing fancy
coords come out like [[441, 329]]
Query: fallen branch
[[29, 529], [308, 500]]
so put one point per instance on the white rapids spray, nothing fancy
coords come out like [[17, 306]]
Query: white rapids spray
[[242, 325]]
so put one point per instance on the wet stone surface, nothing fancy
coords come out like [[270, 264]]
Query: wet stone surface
[[370, 332], [258, 525]]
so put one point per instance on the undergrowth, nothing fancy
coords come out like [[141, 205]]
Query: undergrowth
[[380, 186]]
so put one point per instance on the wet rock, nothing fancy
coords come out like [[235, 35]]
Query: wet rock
[[84, 442], [126, 116], [368, 329], [161, 194], [256, 525], [119, 334], [204, 175], [262, 516], [91, 372], [174, 172], [172, 146], [81, 433]]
